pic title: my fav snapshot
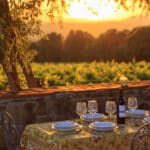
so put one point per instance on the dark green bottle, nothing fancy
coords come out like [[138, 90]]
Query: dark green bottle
[[121, 108]]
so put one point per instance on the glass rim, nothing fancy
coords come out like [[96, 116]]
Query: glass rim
[[110, 100], [132, 97], [81, 102], [92, 100]]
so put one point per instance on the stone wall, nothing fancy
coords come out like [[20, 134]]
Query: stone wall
[[58, 103]]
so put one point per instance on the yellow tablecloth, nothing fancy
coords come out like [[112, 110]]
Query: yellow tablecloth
[[43, 137]]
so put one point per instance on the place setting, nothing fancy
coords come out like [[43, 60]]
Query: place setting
[[71, 127], [66, 127], [137, 116], [110, 109], [92, 114], [98, 123], [133, 110]]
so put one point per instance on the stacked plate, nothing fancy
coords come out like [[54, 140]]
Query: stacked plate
[[138, 113], [103, 126], [147, 119], [65, 126], [96, 116]]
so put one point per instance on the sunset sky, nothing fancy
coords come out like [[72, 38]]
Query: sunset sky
[[97, 16], [100, 10]]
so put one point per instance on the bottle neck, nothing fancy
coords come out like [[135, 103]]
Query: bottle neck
[[120, 95]]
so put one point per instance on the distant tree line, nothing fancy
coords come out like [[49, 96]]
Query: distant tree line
[[82, 46]]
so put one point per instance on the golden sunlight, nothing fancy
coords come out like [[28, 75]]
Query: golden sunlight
[[96, 10]]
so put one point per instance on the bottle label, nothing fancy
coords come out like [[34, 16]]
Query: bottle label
[[122, 109]]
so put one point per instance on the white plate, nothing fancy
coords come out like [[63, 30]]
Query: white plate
[[65, 126], [147, 119], [137, 113], [102, 126], [88, 116]]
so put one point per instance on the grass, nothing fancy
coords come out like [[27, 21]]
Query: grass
[[57, 74]]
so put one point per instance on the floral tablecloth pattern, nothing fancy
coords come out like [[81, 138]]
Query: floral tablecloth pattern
[[43, 137]]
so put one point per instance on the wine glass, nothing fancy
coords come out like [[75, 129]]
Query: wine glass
[[92, 107], [81, 109], [132, 105], [110, 108]]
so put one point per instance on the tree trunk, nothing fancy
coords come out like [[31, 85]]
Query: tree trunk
[[7, 56], [24, 63], [12, 77]]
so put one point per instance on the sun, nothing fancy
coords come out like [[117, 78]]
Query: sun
[[96, 10]]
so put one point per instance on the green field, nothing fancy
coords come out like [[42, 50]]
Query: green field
[[49, 74]]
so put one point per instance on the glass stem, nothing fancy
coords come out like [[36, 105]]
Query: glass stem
[[109, 116], [81, 119], [92, 116], [132, 116]]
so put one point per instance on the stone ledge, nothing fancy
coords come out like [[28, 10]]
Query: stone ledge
[[78, 88]]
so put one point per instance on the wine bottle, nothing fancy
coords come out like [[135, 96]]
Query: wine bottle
[[121, 108]]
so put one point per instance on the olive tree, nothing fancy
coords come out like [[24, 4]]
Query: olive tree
[[20, 19]]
